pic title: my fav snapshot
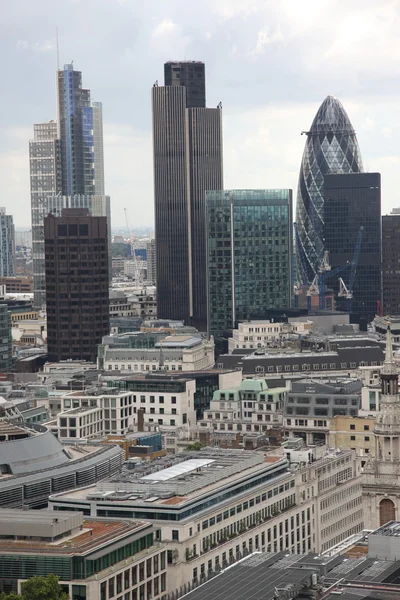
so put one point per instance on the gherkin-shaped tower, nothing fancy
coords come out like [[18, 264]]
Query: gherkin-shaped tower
[[331, 147]]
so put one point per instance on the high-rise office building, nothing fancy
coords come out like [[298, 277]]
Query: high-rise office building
[[249, 267], [45, 180], [6, 357], [352, 201], [7, 244], [80, 127], [331, 147], [151, 262], [187, 142], [66, 158], [391, 263], [77, 297]]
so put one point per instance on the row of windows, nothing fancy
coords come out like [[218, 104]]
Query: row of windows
[[342, 523], [347, 507], [339, 497]]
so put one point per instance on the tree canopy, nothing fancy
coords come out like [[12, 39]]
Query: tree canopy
[[38, 588]]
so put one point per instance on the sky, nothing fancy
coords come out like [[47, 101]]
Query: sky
[[271, 64]]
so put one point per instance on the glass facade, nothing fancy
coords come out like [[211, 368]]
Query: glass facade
[[390, 263], [331, 147], [7, 244], [352, 201], [249, 237], [66, 157]]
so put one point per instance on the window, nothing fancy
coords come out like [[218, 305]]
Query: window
[[366, 438], [366, 427], [352, 427], [353, 438], [175, 535]]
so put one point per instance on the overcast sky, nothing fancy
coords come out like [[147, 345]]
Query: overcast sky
[[270, 62]]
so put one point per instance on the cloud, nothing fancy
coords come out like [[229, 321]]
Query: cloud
[[40, 46], [265, 38], [168, 37]]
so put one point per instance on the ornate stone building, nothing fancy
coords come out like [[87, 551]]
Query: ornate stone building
[[381, 485]]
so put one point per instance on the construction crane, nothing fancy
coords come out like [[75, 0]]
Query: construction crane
[[136, 262], [347, 291], [344, 291]]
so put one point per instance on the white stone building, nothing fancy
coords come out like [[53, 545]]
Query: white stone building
[[174, 353], [251, 407], [381, 485], [217, 505], [260, 334]]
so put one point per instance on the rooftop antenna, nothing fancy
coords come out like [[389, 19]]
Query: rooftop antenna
[[58, 50]]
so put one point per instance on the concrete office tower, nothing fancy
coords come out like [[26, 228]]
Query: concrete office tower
[[45, 180], [187, 143], [7, 244], [390, 263], [151, 262], [352, 201], [331, 147], [76, 251], [249, 262]]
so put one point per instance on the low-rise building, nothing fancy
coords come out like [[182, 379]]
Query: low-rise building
[[354, 433], [215, 505], [344, 360], [311, 405], [185, 352], [252, 406], [260, 334], [19, 285], [140, 302], [95, 559]]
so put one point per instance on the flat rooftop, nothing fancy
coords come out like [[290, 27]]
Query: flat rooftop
[[94, 534], [178, 479], [269, 576]]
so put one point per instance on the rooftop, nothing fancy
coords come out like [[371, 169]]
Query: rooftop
[[269, 576], [93, 534], [184, 477]]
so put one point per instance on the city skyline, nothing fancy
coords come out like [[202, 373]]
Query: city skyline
[[262, 122]]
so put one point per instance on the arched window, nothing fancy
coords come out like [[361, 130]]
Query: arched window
[[386, 511]]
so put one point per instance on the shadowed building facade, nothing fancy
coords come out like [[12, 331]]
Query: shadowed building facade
[[187, 144], [352, 201], [331, 147], [76, 258]]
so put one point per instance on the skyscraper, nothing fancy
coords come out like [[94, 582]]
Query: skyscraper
[[77, 297], [80, 128], [331, 147], [7, 244], [66, 158], [249, 267], [391, 263], [45, 180], [352, 201], [151, 262], [187, 142]]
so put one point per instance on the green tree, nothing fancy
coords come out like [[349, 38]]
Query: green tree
[[39, 588]]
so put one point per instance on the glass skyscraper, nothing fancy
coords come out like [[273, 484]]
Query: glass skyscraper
[[249, 252], [66, 160], [331, 147], [352, 201], [7, 244], [187, 143]]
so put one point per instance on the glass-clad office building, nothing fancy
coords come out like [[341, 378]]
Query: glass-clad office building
[[249, 255], [353, 201], [331, 147]]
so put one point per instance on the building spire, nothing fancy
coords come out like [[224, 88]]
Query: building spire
[[389, 366]]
